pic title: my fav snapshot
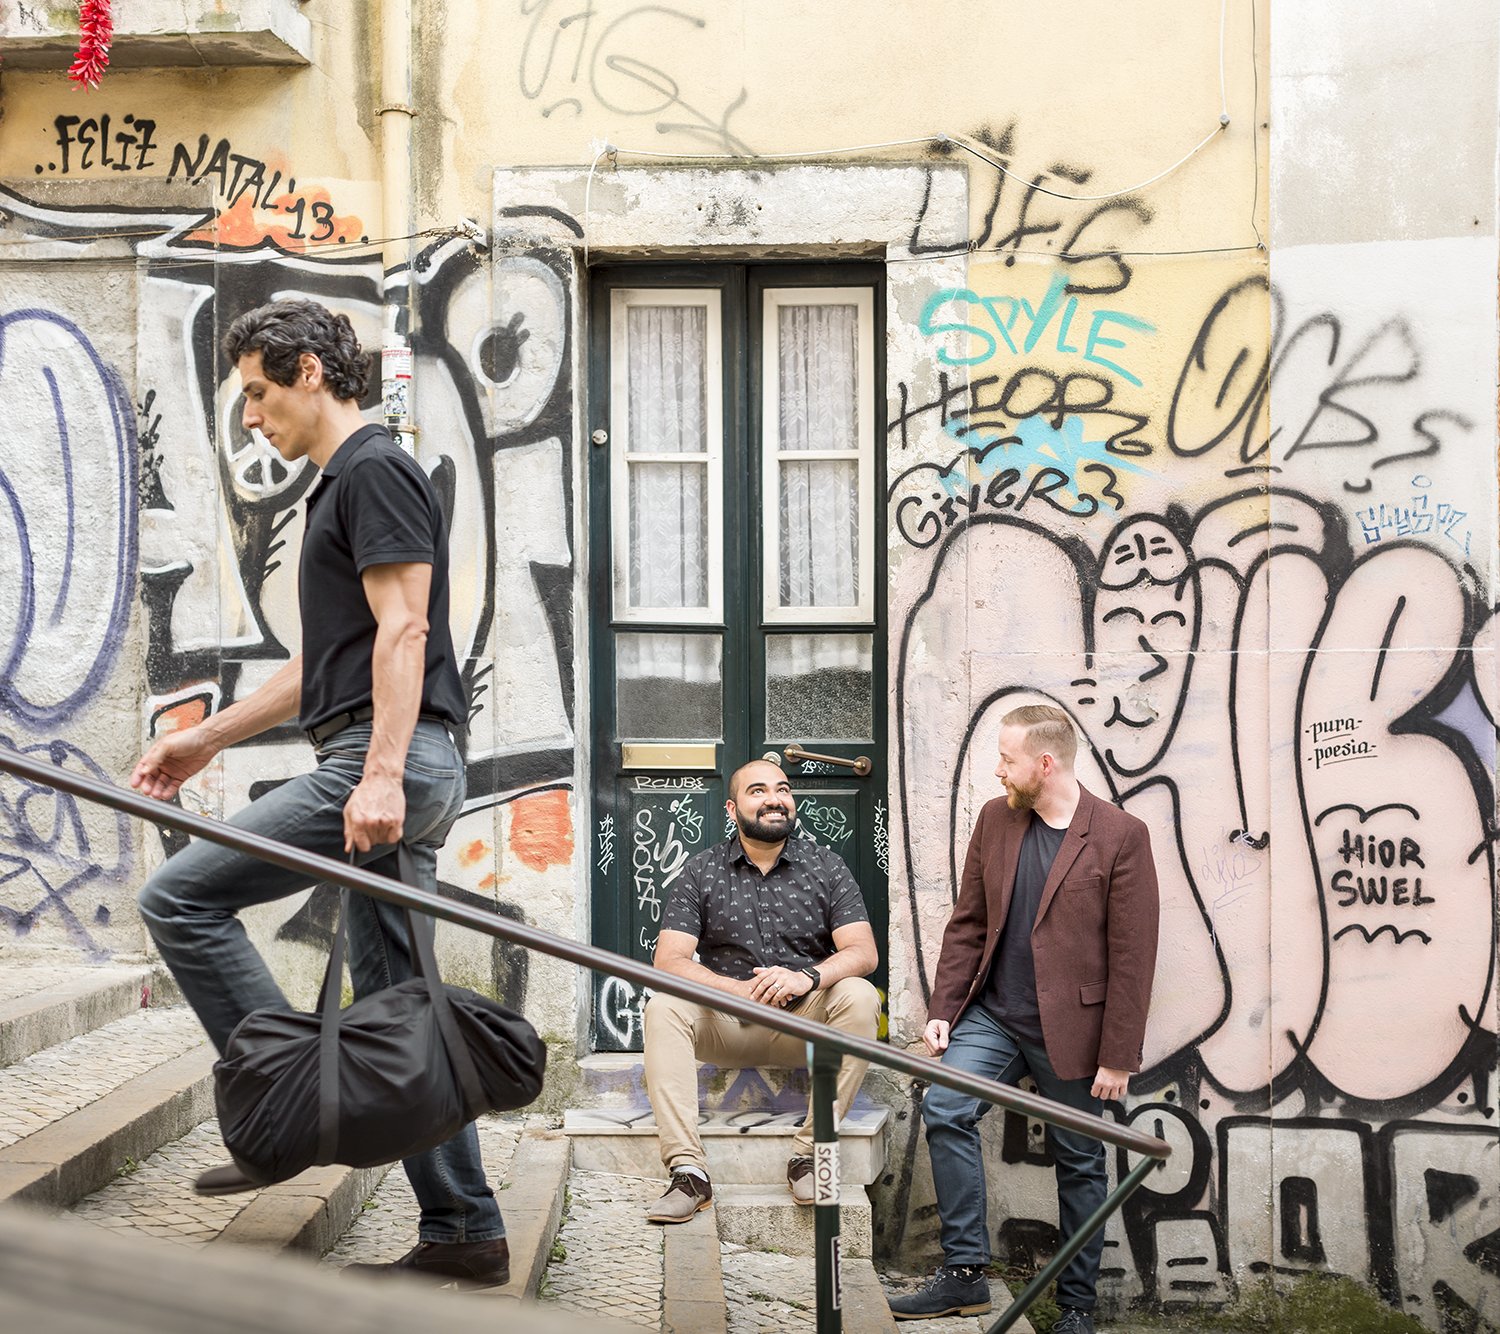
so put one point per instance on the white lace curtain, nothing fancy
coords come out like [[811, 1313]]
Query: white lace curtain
[[818, 357], [668, 501]]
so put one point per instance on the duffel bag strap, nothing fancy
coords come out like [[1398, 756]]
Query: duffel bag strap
[[328, 1038], [420, 931]]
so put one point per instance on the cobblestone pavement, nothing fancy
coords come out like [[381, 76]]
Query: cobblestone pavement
[[49, 1085], [157, 1200], [766, 1291], [387, 1227], [613, 1268]]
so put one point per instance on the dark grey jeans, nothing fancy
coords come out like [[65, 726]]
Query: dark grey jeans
[[190, 907], [981, 1046]]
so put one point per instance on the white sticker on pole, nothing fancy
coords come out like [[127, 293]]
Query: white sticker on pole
[[826, 1173]]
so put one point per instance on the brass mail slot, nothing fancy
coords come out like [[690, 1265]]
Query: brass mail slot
[[667, 755]]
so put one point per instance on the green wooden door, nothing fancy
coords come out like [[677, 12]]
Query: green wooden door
[[737, 576]]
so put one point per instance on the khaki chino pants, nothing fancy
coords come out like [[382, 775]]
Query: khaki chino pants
[[679, 1034]]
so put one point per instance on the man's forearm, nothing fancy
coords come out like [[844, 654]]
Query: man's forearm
[[272, 704], [397, 668], [690, 970], [852, 962]]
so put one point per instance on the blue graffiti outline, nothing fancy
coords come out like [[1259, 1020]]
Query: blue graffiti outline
[[12, 701]]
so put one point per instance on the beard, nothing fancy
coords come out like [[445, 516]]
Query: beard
[[764, 831], [1020, 798]]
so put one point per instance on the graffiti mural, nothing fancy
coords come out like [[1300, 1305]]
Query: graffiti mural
[[1269, 610]]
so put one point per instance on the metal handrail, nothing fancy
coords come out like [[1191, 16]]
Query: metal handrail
[[820, 1037]]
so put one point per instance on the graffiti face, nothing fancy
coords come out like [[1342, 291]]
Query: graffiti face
[[1145, 625]]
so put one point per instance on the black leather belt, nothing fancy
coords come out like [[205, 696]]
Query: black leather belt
[[319, 734]]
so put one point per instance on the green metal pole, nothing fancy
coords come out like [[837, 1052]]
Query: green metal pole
[[1072, 1246], [824, 1063]]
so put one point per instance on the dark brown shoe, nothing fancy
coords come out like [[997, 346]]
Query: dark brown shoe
[[227, 1179], [799, 1179], [687, 1194], [465, 1264]]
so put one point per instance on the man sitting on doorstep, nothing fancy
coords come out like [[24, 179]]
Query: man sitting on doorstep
[[772, 917]]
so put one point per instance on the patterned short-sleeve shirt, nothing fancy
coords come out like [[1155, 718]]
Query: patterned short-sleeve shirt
[[744, 920]]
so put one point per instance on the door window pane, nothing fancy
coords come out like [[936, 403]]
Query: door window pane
[[819, 533], [668, 379], [819, 452], [669, 687], [668, 534], [820, 687], [666, 454], [819, 358]]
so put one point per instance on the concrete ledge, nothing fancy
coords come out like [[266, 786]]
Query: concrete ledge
[[768, 1219], [154, 33], [865, 1308], [532, 1206], [693, 1277], [89, 999], [74, 1156], [308, 1213]]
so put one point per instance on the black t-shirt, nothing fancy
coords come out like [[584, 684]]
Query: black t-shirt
[[1010, 990], [372, 506]]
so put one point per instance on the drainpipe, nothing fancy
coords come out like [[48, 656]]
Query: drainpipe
[[396, 113]]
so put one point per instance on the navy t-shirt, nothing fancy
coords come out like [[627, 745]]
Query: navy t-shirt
[[1010, 991], [372, 506]]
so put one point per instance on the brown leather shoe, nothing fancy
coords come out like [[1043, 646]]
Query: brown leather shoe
[[799, 1179], [226, 1179], [687, 1194], [465, 1264]]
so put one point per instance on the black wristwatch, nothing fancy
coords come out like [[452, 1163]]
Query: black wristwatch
[[817, 978]]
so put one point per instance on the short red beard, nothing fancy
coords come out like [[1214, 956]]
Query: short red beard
[[1022, 798]]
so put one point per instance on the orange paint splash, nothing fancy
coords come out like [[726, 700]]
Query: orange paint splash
[[473, 853], [180, 717], [541, 830], [292, 222], [489, 882]]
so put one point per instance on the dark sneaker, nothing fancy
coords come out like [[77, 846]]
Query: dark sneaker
[[799, 1179], [687, 1194], [1074, 1320], [953, 1290], [465, 1264], [226, 1179]]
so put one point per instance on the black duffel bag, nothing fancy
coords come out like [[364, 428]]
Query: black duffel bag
[[398, 1072]]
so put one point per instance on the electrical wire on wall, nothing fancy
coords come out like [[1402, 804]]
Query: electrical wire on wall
[[964, 143]]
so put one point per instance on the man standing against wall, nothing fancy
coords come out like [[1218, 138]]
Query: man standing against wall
[[774, 918], [1046, 969], [377, 690]]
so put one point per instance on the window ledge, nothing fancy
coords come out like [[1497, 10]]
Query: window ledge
[[152, 34]]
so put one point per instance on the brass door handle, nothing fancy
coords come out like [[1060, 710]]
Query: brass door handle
[[860, 763]]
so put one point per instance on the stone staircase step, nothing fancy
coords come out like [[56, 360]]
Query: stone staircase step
[[41, 1006], [766, 1218], [73, 1115], [743, 1148]]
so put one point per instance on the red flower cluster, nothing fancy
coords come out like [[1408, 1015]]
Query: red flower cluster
[[96, 26]]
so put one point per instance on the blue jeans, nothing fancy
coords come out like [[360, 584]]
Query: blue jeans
[[979, 1045], [190, 906]]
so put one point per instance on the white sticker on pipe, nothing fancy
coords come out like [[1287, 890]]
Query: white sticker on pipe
[[826, 1173]]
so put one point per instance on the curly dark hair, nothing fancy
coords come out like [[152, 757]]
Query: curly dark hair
[[281, 331]]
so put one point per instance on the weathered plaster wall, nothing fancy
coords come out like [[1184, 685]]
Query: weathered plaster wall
[[1236, 511]]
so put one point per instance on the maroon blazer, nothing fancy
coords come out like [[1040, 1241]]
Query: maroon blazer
[[1094, 942]]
